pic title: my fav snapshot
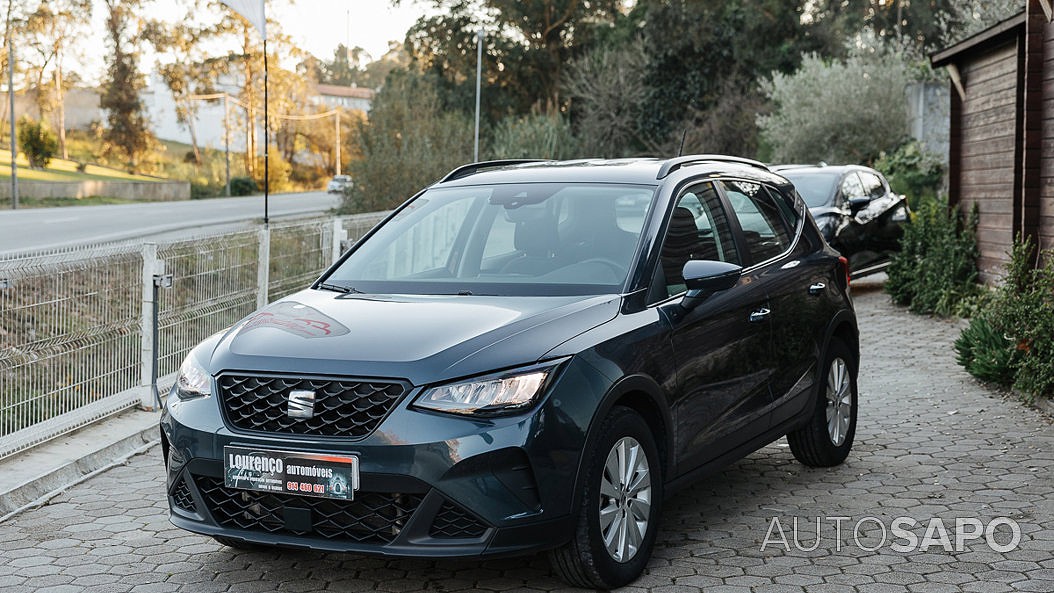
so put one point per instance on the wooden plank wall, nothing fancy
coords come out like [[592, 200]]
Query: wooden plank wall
[[1046, 174], [988, 139]]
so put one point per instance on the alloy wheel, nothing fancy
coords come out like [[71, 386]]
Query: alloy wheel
[[839, 401], [625, 499]]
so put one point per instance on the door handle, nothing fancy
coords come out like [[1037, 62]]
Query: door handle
[[759, 315], [817, 288]]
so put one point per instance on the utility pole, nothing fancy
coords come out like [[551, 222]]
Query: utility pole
[[336, 128], [11, 97], [227, 143], [226, 131]]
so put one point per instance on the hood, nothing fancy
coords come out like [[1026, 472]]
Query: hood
[[820, 211], [422, 339]]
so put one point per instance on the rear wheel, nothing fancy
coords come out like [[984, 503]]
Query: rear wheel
[[828, 437], [618, 508]]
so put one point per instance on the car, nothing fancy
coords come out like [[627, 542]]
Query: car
[[526, 356], [855, 209], [338, 184]]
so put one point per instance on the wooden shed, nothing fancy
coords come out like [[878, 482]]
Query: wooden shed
[[1001, 153]]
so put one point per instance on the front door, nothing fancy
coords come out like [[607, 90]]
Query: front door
[[721, 347]]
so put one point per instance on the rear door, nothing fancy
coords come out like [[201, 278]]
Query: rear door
[[771, 229]]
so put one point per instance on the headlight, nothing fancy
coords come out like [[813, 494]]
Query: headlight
[[491, 395], [193, 380]]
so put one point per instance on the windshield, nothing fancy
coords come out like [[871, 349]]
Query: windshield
[[816, 188], [513, 239]]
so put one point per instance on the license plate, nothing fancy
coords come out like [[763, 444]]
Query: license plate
[[290, 472]]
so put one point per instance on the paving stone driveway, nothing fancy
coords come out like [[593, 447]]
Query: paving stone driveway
[[932, 444]]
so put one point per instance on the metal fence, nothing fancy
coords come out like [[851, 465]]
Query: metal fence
[[76, 341]]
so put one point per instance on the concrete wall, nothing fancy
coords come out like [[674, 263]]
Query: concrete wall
[[928, 110], [128, 190]]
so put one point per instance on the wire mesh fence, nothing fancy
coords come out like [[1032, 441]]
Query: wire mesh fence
[[72, 346], [69, 337]]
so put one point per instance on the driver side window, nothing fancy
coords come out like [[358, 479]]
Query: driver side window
[[698, 229]]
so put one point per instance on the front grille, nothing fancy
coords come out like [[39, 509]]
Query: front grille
[[371, 518], [342, 407], [452, 521], [181, 497]]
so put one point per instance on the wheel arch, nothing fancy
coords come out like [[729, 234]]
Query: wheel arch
[[643, 395]]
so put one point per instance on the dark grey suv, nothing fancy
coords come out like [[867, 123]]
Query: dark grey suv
[[524, 357]]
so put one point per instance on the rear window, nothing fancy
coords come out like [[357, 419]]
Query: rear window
[[816, 187]]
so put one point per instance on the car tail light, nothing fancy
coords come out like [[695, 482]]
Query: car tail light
[[845, 268]]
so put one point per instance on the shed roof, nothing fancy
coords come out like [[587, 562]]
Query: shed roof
[[992, 35]]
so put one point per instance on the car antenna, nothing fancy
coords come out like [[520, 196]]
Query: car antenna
[[680, 151]]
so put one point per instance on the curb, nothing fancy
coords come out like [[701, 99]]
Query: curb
[[50, 472]]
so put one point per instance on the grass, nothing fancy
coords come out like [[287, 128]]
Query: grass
[[25, 202], [63, 170]]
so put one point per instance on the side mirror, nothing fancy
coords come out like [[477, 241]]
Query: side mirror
[[704, 277], [855, 204]]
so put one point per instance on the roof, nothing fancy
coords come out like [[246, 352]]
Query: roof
[[356, 92], [642, 171], [993, 35], [822, 168]]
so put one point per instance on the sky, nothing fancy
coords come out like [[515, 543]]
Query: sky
[[317, 26]]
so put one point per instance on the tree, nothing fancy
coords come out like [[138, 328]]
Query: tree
[[977, 15], [529, 42], [408, 142], [37, 142], [699, 51], [127, 133], [184, 65], [840, 112], [49, 32], [608, 94]]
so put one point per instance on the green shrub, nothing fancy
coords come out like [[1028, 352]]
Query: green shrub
[[986, 353], [826, 111], [533, 137], [913, 172], [37, 142], [243, 186], [935, 271], [1017, 348]]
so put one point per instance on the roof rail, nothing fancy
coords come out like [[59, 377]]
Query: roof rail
[[673, 164], [472, 168]]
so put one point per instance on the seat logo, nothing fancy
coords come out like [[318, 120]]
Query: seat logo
[[301, 404]]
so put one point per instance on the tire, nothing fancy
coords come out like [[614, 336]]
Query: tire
[[820, 443], [586, 561], [238, 544]]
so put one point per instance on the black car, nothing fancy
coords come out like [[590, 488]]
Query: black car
[[856, 211], [524, 357]]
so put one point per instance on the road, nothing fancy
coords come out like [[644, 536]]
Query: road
[[932, 443], [47, 228]]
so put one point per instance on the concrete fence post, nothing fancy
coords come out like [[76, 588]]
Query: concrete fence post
[[263, 267], [152, 266], [339, 237]]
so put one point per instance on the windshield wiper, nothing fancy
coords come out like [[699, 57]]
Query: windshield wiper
[[337, 288]]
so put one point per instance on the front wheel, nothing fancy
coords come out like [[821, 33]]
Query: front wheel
[[618, 508], [826, 440]]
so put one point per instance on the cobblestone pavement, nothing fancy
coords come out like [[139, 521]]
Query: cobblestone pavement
[[931, 443]]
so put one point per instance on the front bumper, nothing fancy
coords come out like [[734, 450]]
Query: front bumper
[[432, 485]]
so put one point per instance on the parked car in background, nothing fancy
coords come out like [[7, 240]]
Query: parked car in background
[[856, 211], [338, 184], [526, 356]]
